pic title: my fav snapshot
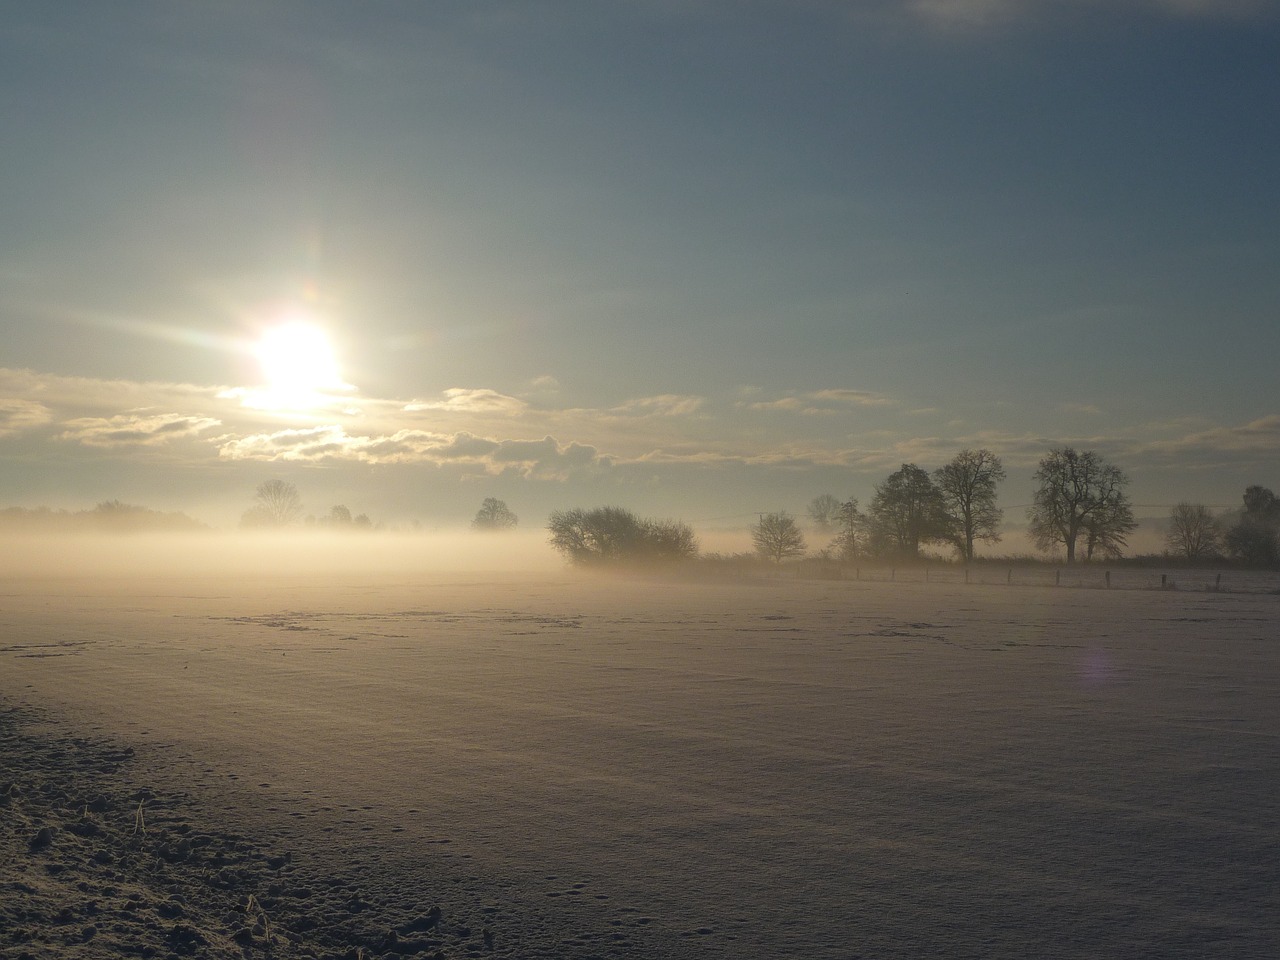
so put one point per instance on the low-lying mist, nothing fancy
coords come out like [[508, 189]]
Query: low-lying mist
[[275, 554]]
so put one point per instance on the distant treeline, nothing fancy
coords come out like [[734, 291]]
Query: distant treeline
[[1079, 508], [109, 516]]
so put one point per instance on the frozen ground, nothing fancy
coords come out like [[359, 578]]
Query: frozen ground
[[753, 769]]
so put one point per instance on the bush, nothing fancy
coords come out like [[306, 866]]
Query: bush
[[612, 535]]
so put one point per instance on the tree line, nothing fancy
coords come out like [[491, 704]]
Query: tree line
[[909, 510], [1080, 506], [109, 516], [277, 503]]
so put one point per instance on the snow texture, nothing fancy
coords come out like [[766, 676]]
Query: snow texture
[[576, 767]]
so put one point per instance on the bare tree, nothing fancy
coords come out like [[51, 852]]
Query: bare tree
[[1107, 528], [968, 487], [906, 512], [824, 511], [276, 504], [494, 514], [1194, 532], [847, 546], [777, 537], [1080, 494]]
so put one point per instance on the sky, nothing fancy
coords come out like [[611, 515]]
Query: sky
[[702, 259]]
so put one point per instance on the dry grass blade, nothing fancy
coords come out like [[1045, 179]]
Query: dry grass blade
[[139, 821]]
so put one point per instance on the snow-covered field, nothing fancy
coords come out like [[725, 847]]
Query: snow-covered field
[[751, 769]]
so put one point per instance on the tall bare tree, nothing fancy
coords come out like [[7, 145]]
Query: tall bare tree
[[968, 486], [1080, 495], [276, 503], [777, 537], [850, 523], [1194, 532]]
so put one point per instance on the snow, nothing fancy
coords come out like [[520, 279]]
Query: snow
[[743, 769]]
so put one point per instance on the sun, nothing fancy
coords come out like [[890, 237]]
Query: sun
[[299, 364]]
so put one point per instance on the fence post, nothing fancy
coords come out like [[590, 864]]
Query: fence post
[[1057, 578], [1164, 577], [926, 574], [966, 574], [1108, 577], [1008, 578]]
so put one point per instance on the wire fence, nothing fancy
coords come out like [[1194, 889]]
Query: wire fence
[[1080, 576]]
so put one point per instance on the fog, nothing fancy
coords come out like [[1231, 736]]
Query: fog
[[275, 554]]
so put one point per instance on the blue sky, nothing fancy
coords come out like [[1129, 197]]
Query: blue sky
[[702, 259]]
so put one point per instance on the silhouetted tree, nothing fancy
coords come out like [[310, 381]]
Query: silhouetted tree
[[494, 515], [339, 516], [667, 540], [118, 516], [1107, 528], [1255, 537], [906, 512], [611, 535], [276, 504], [777, 537], [1194, 532], [968, 488], [1080, 494], [824, 511], [850, 522]]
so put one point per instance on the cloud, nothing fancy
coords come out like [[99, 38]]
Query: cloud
[[1260, 437], [463, 400], [545, 458], [1088, 408], [19, 416], [789, 404], [857, 398], [971, 14], [663, 405], [86, 395], [823, 402], [131, 429]]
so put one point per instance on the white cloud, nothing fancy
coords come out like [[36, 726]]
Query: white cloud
[[823, 402], [134, 429], [19, 416], [464, 400], [546, 458], [854, 398], [545, 384], [788, 404], [663, 405], [81, 395]]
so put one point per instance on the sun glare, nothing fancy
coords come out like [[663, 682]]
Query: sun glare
[[299, 364]]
